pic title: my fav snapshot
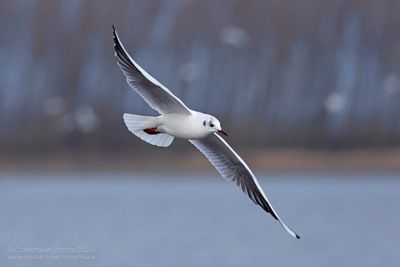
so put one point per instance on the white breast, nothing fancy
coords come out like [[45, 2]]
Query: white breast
[[184, 126]]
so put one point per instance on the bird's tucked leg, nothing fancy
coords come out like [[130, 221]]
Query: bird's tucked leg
[[151, 131]]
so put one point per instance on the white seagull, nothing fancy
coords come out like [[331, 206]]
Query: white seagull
[[177, 120]]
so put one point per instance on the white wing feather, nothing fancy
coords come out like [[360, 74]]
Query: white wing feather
[[232, 167], [152, 91]]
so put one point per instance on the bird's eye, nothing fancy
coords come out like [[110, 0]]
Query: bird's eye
[[204, 123], [211, 125]]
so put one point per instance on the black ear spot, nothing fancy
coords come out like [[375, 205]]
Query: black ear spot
[[204, 123]]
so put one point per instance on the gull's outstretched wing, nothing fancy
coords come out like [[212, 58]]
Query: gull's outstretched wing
[[232, 167], [153, 92]]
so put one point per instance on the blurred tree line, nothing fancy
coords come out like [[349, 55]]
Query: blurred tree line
[[309, 74]]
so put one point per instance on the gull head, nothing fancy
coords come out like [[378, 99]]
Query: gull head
[[213, 125]]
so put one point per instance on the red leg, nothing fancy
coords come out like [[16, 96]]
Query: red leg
[[152, 130]]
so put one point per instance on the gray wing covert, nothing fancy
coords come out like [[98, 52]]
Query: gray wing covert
[[152, 91], [233, 168]]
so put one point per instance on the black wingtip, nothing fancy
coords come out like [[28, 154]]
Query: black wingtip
[[114, 31], [297, 236], [115, 37]]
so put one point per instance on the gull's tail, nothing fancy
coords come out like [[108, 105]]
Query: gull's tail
[[145, 127]]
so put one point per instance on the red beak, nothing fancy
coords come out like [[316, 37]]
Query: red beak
[[223, 132]]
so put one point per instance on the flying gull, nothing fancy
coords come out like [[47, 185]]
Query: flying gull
[[177, 120]]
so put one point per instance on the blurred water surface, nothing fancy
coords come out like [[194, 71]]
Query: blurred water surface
[[345, 219]]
